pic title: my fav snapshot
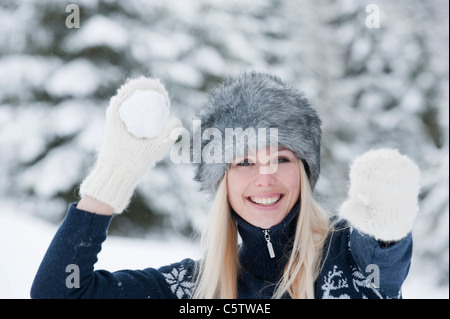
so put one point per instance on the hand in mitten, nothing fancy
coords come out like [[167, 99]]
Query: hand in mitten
[[137, 135], [383, 194]]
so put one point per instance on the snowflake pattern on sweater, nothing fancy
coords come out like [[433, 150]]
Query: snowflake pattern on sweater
[[334, 280], [336, 283], [180, 281]]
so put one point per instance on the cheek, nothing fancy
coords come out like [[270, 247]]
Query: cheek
[[291, 178], [234, 186]]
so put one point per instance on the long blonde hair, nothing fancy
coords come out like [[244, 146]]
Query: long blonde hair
[[218, 270]]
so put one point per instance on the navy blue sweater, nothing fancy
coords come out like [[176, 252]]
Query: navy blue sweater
[[354, 265]]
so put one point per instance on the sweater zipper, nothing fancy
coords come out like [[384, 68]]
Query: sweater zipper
[[269, 244]]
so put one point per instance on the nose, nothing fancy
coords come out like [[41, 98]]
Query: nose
[[264, 180]]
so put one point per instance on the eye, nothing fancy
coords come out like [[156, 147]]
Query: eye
[[244, 162], [283, 160]]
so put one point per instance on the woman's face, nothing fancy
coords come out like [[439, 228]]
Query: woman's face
[[261, 192]]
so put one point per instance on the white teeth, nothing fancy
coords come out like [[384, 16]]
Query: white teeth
[[265, 201]]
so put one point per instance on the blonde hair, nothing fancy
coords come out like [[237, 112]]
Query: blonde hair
[[218, 270]]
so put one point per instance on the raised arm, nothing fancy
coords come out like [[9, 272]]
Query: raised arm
[[137, 135], [381, 206]]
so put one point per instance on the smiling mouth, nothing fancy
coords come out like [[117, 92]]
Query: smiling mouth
[[265, 201]]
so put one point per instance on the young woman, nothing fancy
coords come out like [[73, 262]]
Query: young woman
[[289, 247]]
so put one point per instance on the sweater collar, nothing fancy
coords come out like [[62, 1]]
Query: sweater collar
[[254, 255]]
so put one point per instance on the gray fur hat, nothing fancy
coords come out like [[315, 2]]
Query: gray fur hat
[[258, 100]]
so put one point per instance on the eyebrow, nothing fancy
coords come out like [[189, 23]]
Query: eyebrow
[[247, 156], [281, 148]]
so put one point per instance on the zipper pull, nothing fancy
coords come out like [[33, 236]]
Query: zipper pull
[[269, 244]]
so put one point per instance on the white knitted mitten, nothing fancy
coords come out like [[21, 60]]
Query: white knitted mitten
[[136, 136], [383, 194]]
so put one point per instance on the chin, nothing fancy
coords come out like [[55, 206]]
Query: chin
[[267, 222]]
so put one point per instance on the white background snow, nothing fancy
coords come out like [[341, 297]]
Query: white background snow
[[383, 87]]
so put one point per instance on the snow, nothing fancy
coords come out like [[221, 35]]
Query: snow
[[98, 31], [165, 46], [77, 78], [182, 73], [24, 71], [209, 60]]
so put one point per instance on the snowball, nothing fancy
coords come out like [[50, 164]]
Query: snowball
[[144, 113]]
